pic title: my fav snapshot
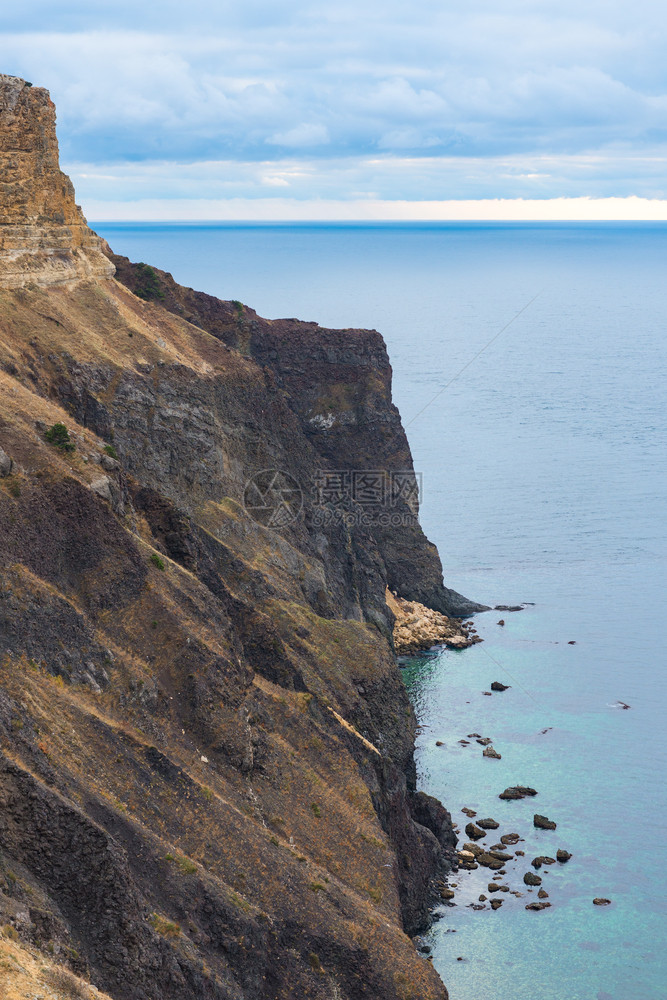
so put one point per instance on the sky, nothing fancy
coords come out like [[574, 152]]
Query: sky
[[365, 109]]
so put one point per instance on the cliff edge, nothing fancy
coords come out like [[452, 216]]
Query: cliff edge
[[207, 778], [44, 238]]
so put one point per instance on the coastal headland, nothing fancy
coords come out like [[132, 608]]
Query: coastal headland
[[207, 777]]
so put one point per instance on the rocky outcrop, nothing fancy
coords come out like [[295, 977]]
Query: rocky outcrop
[[417, 627], [44, 238], [207, 776], [338, 384]]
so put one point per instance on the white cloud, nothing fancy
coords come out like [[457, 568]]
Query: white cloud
[[301, 136], [462, 101]]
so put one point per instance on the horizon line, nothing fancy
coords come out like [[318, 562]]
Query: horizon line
[[580, 209]]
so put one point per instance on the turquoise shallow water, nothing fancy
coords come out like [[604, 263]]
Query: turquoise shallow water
[[544, 480]]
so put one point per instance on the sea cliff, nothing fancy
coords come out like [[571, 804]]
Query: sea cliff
[[207, 779]]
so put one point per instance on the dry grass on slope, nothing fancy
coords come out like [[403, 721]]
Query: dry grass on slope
[[25, 975]]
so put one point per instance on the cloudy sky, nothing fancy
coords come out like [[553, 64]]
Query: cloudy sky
[[353, 108]]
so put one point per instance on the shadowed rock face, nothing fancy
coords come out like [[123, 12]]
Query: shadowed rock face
[[43, 235], [207, 781]]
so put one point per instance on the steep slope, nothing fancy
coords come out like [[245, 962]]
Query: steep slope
[[206, 751], [338, 382]]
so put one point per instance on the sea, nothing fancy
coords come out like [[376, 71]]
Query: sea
[[530, 366]]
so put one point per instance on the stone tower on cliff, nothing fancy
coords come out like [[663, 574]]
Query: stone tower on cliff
[[44, 238]]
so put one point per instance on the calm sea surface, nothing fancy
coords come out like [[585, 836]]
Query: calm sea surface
[[545, 471]]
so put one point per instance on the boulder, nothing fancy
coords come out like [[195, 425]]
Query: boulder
[[109, 463], [562, 856], [501, 855], [496, 904], [446, 893], [469, 812], [490, 752], [497, 686], [473, 849], [5, 464], [531, 879], [543, 894], [542, 823], [517, 792], [474, 832], [601, 901], [488, 824], [510, 838], [488, 861], [538, 906]]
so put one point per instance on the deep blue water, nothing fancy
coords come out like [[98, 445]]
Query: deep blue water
[[545, 475]]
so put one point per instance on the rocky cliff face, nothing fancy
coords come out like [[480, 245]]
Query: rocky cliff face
[[207, 782], [44, 238]]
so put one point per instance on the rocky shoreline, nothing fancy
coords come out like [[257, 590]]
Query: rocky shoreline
[[418, 628]]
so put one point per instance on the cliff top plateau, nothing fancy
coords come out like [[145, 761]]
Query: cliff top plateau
[[207, 779]]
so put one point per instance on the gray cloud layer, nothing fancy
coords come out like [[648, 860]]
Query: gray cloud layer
[[382, 99]]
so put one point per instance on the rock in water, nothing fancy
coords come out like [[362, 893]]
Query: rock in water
[[530, 879], [488, 824], [542, 860], [601, 901], [538, 906], [562, 856], [497, 686], [517, 792], [474, 832], [542, 823], [490, 752]]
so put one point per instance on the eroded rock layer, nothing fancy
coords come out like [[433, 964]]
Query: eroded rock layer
[[44, 238]]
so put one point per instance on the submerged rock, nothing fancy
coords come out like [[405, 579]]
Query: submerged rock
[[543, 859]]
